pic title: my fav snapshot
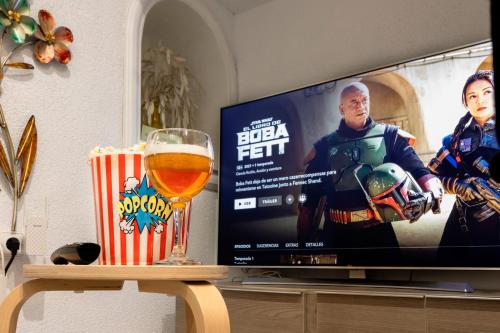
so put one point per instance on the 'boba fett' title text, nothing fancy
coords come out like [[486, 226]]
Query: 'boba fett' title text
[[258, 139]]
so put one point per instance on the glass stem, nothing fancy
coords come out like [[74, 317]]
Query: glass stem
[[178, 249]]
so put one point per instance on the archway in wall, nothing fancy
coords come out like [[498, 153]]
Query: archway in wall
[[202, 238], [393, 101], [181, 28], [199, 38]]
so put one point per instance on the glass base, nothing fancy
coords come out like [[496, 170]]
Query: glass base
[[178, 261]]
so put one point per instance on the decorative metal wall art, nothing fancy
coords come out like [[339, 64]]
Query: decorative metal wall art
[[49, 43]]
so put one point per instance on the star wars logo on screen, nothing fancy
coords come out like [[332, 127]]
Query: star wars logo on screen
[[262, 138]]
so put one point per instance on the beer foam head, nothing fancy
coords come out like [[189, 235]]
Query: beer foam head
[[162, 147]]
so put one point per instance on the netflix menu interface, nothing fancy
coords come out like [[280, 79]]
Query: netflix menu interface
[[262, 174]]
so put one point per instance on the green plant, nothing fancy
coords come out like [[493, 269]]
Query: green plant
[[168, 88]]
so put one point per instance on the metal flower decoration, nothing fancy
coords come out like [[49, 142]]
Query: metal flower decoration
[[49, 43], [53, 42], [14, 17]]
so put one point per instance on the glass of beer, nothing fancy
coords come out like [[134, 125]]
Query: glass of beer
[[178, 163]]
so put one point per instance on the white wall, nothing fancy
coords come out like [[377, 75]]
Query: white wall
[[287, 44], [224, 18]]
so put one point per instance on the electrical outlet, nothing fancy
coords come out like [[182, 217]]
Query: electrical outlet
[[5, 235]]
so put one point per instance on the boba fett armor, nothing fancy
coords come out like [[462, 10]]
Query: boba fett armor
[[357, 161], [391, 189]]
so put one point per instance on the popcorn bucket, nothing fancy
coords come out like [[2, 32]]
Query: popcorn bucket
[[134, 223]]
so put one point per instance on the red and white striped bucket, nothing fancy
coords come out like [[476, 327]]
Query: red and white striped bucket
[[134, 223]]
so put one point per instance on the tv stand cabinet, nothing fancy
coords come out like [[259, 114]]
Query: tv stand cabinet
[[321, 309]]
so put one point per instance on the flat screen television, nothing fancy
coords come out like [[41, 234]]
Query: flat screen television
[[307, 180]]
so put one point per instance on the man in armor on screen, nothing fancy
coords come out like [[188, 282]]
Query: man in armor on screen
[[370, 183]]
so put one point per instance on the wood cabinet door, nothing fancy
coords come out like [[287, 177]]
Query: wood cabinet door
[[265, 312], [463, 315], [369, 313]]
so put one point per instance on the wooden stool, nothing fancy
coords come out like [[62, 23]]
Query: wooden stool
[[206, 310]]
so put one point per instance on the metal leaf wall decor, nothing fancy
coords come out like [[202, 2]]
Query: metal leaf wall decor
[[27, 155], [49, 43], [4, 165]]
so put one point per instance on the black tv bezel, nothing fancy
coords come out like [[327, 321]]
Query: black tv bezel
[[338, 267]]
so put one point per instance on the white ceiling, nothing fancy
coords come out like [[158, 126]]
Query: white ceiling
[[240, 6]]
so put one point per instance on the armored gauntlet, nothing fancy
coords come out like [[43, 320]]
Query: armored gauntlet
[[464, 188], [432, 185], [420, 203]]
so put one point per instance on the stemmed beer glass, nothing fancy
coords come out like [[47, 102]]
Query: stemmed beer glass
[[178, 163]]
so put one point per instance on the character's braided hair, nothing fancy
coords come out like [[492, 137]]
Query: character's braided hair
[[480, 75]]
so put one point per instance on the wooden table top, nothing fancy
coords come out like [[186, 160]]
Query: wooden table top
[[108, 272]]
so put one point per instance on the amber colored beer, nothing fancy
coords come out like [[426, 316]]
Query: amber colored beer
[[178, 174]]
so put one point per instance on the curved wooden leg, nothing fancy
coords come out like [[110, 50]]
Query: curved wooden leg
[[189, 318], [205, 302], [11, 306]]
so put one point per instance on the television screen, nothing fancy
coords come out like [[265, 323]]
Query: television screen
[[383, 168]]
